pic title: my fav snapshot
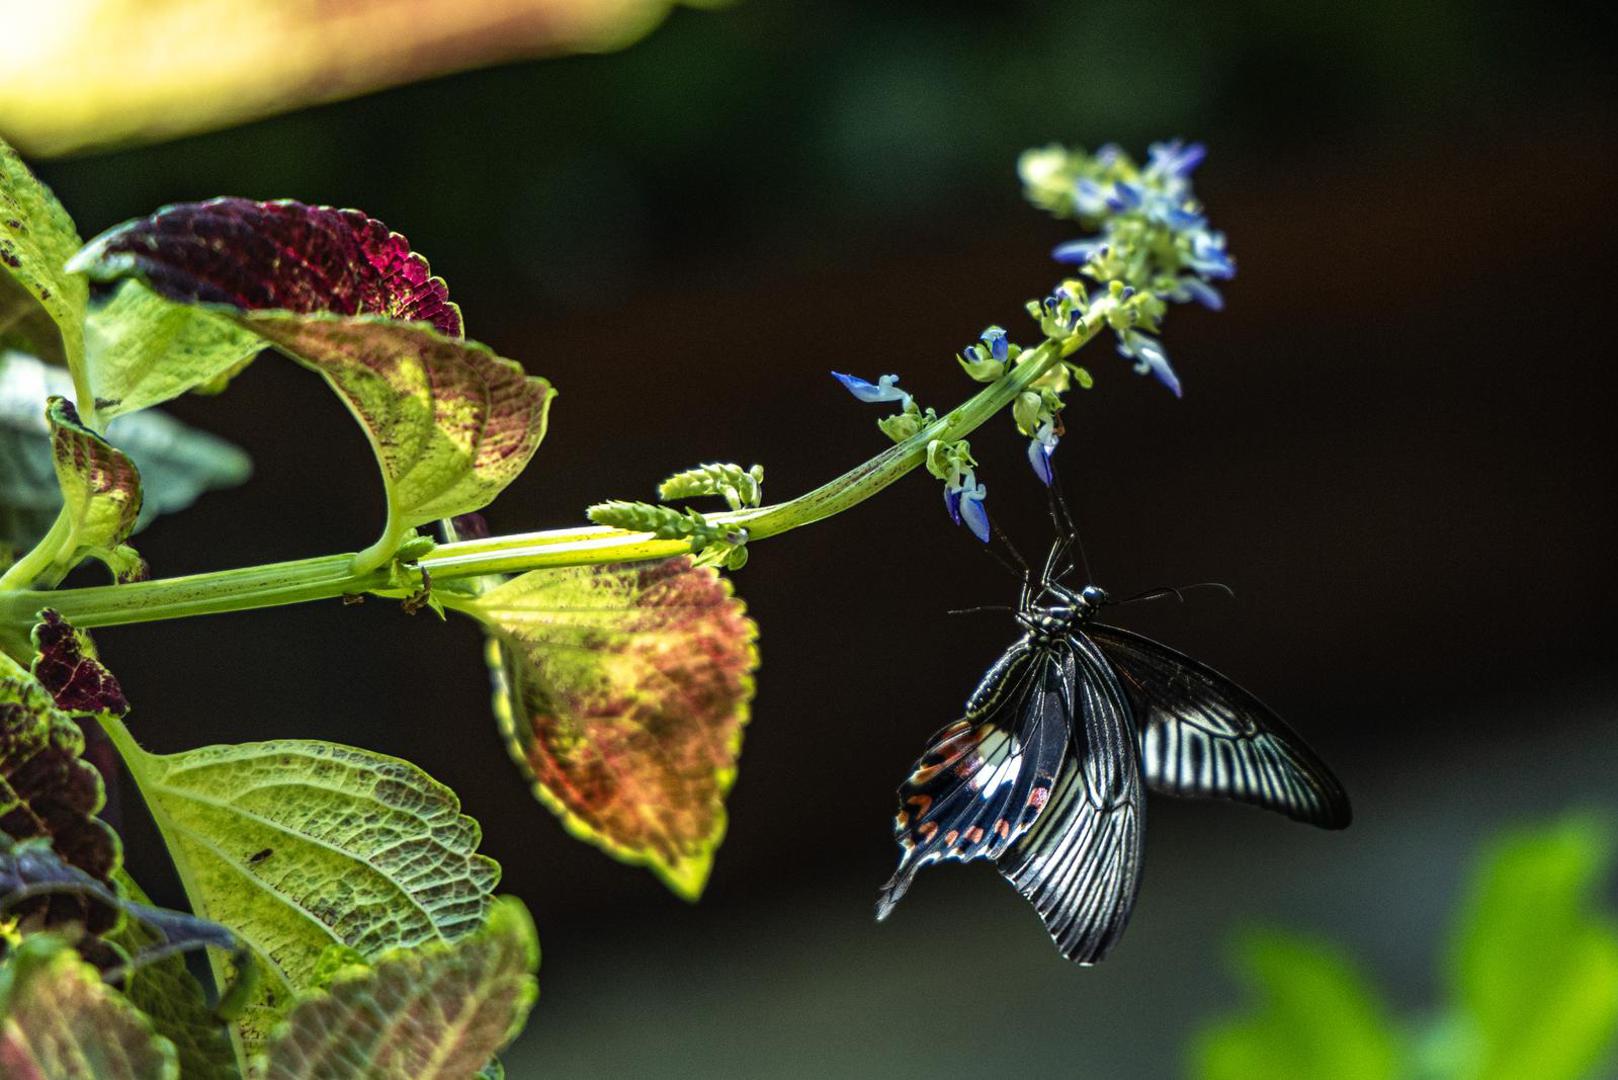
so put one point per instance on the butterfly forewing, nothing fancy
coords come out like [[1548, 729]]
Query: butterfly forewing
[[983, 780], [1079, 865], [1204, 736]]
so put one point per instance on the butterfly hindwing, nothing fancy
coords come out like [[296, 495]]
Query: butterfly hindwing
[[1203, 736], [1079, 865], [984, 779]]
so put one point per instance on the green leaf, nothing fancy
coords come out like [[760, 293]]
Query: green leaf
[[100, 490], [41, 304], [450, 422], [143, 350], [177, 463], [435, 1012], [298, 845], [174, 1001], [622, 691], [59, 1021], [1318, 1018], [1534, 967]]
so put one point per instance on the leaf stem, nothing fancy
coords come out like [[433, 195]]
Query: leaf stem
[[330, 576], [134, 759]]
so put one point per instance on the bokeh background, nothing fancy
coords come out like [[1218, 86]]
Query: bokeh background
[[1391, 445]]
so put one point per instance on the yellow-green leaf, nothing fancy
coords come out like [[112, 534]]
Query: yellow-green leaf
[[299, 845], [434, 1012], [41, 304], [59, 1021], [451, 423], [142, 350], [622, 691], [101, 494]]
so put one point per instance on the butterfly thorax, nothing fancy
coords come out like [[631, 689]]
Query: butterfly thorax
[[1058, 610]]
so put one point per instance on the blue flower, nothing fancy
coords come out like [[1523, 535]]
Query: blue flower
[[1125, 196], [1040, 449], [1208, 256], [964, 501], [995, 338], [1194, 288], [1080, 251], [1089, 197], [873, 393], [1174, 160], [1148, 354]]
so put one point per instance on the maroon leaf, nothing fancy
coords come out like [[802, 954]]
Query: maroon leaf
[[275, 256], [48, 791], [67, 667]]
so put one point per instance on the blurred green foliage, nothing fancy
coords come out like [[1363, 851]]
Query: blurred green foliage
[[1532, 979]]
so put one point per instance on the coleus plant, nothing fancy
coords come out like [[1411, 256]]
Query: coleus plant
[[336, 889]]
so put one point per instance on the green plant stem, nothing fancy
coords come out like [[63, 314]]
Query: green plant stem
[[331, 576], [32, 566]]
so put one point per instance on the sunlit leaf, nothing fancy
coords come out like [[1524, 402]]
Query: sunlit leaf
[[451, 423], [77, 73], [274, 256], [59, 1021], [41, 304], [299, 845], [100, 490], [142, 350], [177, 463], [46, 789], [435, 1012], [623, 691], [1535, 965], [174, 1001], [1317, 1018]]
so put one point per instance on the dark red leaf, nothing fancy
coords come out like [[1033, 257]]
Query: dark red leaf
[[275, 256]]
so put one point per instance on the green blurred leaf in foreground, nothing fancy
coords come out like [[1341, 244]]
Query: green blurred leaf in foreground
[[1534, 967], [1319, 1019]]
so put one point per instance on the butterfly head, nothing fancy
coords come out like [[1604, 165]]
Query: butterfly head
[[1094, 597]]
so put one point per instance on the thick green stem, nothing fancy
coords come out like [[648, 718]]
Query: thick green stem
[[337, 575]]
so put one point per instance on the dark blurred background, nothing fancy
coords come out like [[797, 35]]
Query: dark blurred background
[[1390, 445]]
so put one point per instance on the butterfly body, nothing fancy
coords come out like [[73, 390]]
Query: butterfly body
[[1047, 771]]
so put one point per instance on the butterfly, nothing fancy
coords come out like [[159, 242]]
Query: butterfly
[[1047, 771]]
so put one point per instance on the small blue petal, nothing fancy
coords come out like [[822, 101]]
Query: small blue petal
[[1079, 251], [952, 504], [1125, 196], [1039, 456], [869, 392], [973, 513], [1203, 293], [1175, 159], [995, 338]]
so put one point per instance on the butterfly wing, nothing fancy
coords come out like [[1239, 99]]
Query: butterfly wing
[[1079, 864], [1204, 736], [983, 779]]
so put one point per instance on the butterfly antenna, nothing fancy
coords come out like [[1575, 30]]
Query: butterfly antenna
[[1178, 593], [980, 607], [1062, 518]]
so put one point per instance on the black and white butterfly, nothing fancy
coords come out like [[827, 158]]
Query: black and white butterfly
[[1045, 774]]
